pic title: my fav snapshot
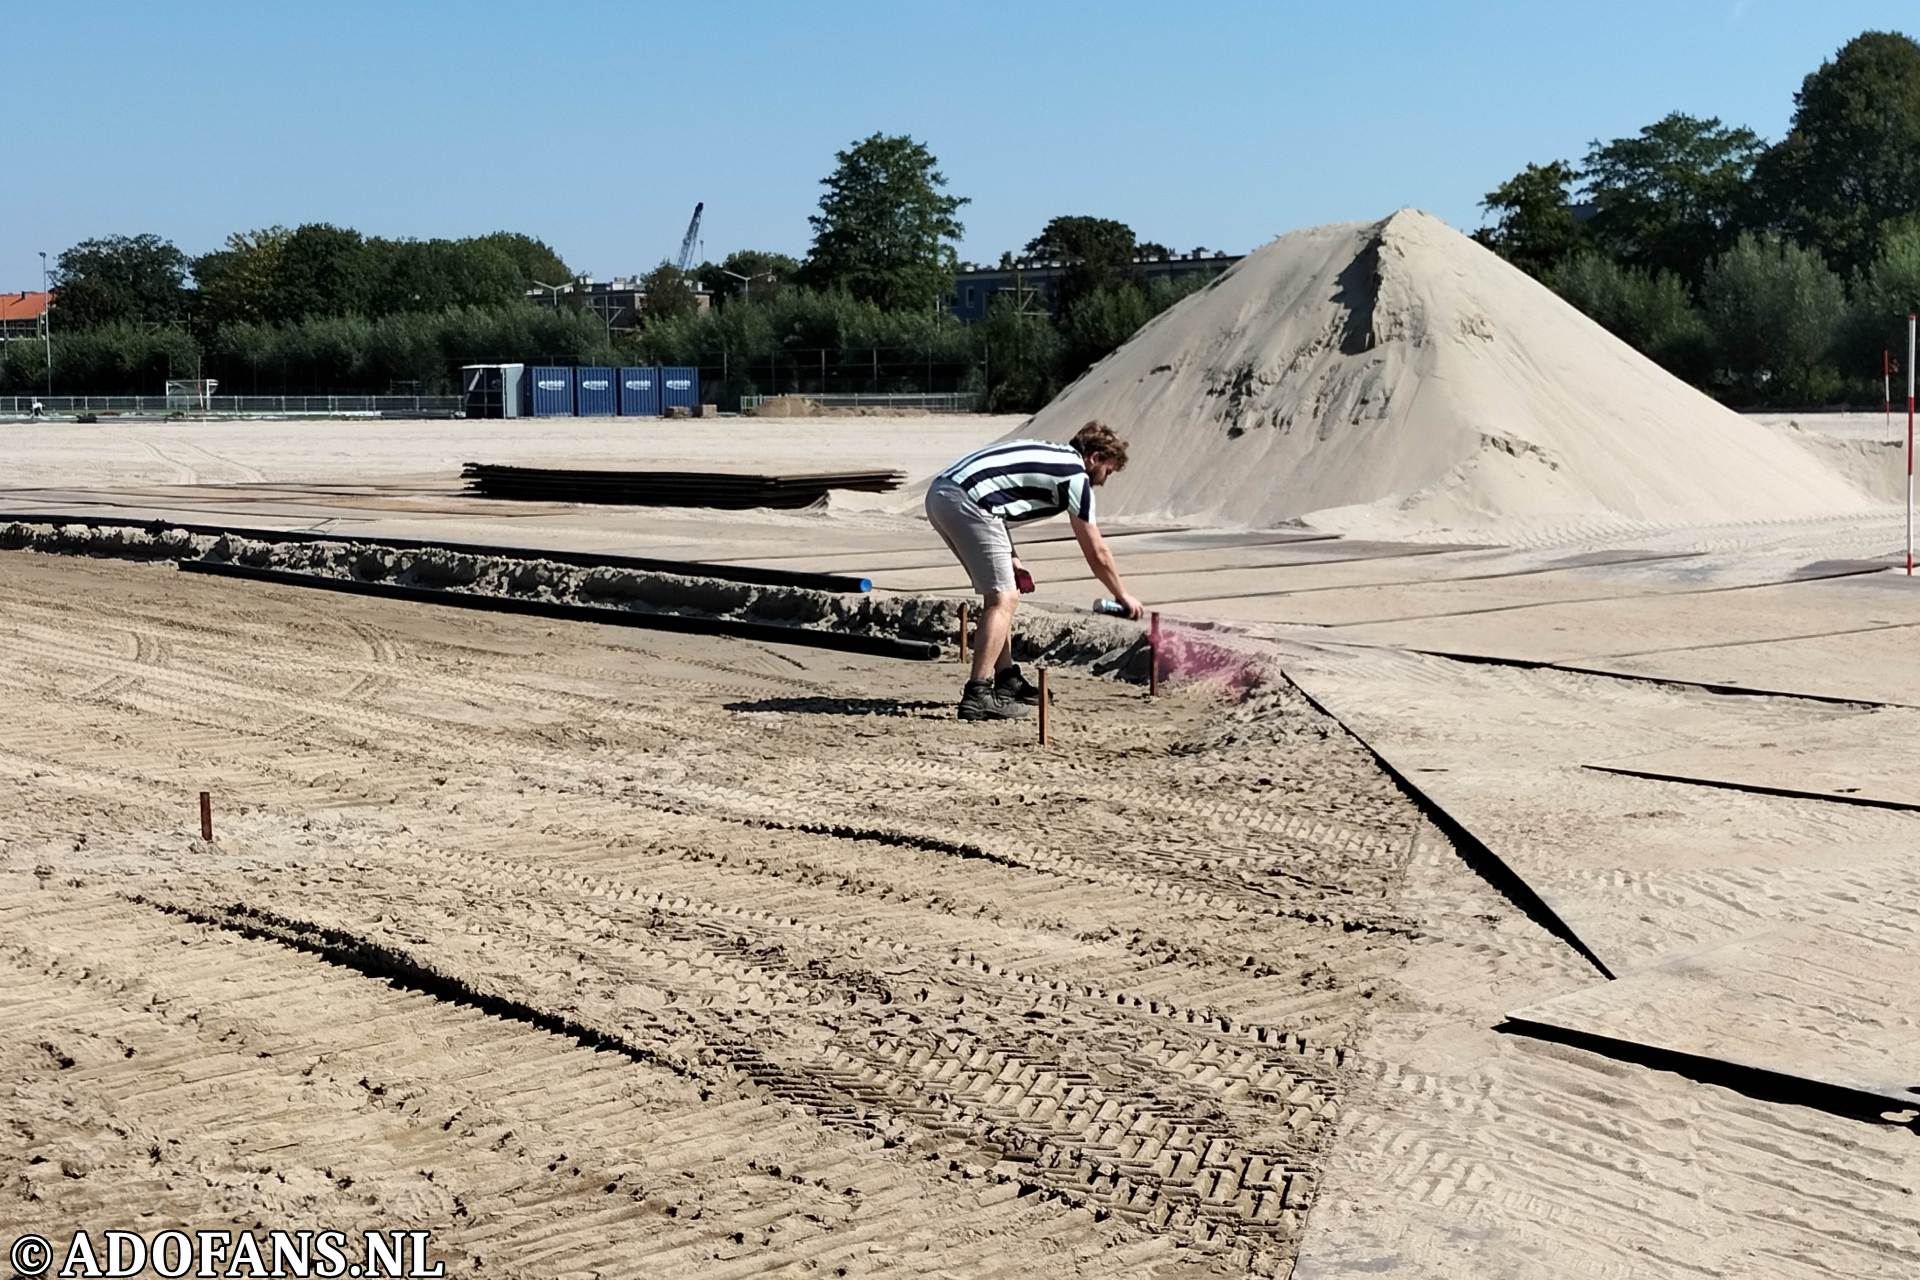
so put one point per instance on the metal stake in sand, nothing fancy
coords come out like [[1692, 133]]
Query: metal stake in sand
[[1045, 737], [1910, 324], [1153, 655], [206, 817], [963, 635]]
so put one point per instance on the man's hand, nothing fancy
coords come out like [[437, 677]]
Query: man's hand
[[1134, 608]]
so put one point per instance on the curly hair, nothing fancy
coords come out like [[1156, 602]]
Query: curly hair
[[1097, 437]]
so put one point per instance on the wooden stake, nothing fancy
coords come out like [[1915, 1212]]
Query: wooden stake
[[206, 817], [1043, 706], [963, 635], [1153, 655]]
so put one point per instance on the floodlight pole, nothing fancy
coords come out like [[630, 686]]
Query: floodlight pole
[[46, 320], [746, 282]]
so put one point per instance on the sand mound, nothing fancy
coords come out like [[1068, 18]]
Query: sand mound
[[1396, 376]]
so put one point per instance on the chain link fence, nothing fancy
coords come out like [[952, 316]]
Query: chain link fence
[[238, 406], [932, 402], [944, 381]]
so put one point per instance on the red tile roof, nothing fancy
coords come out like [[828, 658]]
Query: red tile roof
[[22, 306]]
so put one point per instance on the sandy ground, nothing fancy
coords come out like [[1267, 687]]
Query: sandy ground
[[602, 952], [270, 451], [599, 954]]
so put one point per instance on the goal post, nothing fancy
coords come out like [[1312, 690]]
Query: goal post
[[190, 395]]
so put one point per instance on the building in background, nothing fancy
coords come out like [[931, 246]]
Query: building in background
[[619, 302], [1037, 284], [22, 315]]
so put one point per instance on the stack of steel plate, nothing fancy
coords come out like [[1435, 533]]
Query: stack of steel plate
[[669, 488]]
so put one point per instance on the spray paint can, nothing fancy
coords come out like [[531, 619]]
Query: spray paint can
[[1109, 606]]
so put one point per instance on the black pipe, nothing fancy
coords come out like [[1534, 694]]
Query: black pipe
[[750, 574], [770, 632]]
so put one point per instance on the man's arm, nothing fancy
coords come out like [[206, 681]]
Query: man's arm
[[1100, 560]]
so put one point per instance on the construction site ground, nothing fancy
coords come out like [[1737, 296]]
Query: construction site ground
[[1551, 925]]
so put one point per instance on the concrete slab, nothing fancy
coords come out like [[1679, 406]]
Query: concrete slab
[[1831, 1004]]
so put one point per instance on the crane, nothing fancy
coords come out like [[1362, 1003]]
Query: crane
[[691, 238]]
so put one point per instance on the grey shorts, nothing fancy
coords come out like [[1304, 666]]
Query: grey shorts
[[977, 537]]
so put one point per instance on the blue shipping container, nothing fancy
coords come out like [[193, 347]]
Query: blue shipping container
[[640, 392], [549, 391], [679, 386], [594, 392]]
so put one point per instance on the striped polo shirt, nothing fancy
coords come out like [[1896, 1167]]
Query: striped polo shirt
[[1020, 480]]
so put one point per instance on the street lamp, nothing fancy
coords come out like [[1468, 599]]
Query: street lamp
[[746, 282], [46, 320]]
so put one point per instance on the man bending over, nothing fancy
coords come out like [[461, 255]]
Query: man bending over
[[972, 503]]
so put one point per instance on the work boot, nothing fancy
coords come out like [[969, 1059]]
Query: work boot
[[982, 701], [1015, 686]]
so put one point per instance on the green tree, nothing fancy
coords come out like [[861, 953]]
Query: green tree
[[670, 293], [1652, 311], [130, 278], [355, 354], [323, 270], [1021, 351], [1670, 198], [1098, 253], [1886, 293], [1098, 324], [533, 258], [1534, 226], [1850, 162], [1774, 309], [236, 282], [431, 275], [117, 357], [886, 228]]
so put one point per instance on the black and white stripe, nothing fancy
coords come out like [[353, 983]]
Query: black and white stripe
[[1024, 480]]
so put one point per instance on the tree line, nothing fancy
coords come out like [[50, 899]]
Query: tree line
[[323, 308], [1765, 274]]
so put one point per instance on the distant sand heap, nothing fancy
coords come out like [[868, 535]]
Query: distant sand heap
[[1397, 376]]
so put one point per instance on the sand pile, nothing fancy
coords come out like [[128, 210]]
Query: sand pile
[[1396, 377], [791, 406]]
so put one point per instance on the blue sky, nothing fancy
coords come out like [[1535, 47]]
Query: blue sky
[[597, 125]]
